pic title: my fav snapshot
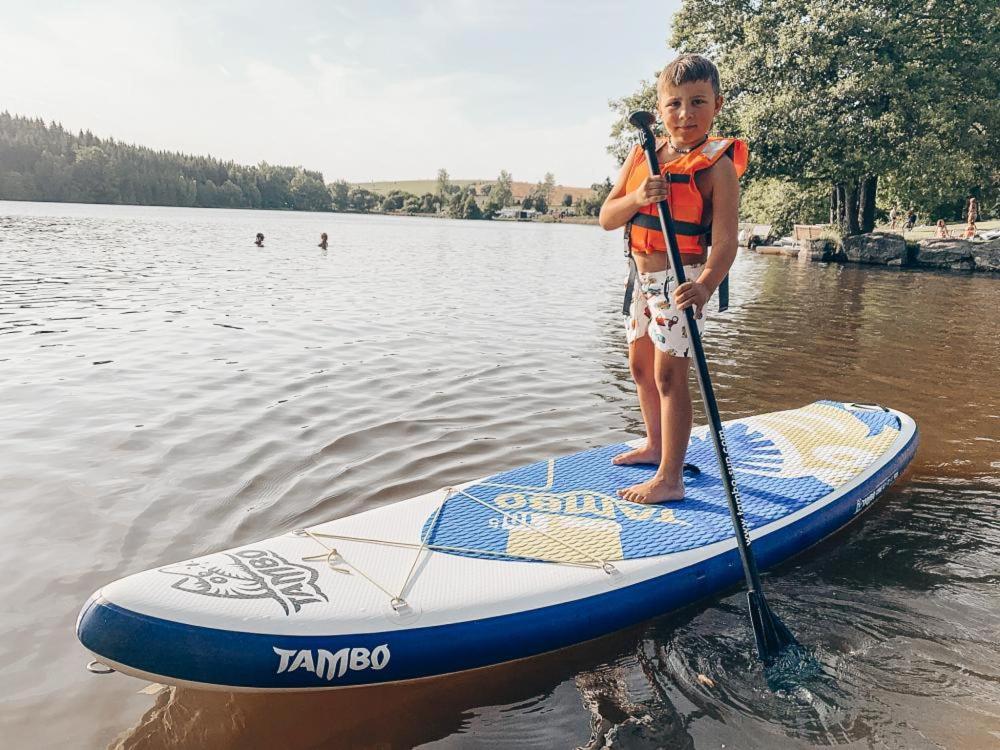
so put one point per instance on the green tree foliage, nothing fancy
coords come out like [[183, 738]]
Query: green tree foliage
[[503, 192], [623, 135], [538, 198], [456, 204], [429, 203], [339, 194], [783, 203], [853, 95], [412, 204], [471, 209], [546, 186], [363, 200], [443, 184], [590, 205], [308, 192], [47, 162], [395, 199], [567, 200]]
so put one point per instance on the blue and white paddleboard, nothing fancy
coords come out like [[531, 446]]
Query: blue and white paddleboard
[[506, 567]]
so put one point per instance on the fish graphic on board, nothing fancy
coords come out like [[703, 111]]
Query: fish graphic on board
[[249, 574]]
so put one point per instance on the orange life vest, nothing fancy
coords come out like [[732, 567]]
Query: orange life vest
[[686, 204]]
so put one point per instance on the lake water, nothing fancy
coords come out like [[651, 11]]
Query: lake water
[[168, 389]]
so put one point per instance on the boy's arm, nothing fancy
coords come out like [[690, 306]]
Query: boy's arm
[[620, 206], [725, 187], [725, 224]]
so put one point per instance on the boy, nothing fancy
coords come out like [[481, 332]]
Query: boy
[[703, 193]]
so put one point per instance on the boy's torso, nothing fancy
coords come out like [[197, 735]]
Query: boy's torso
[[703, 180]]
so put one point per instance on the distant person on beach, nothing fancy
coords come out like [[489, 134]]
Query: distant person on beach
[[970, 228], [911, 220], [259, 242], [705, 192], [973, 214], [942, 232], [322, 241]]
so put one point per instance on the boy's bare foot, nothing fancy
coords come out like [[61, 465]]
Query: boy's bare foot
[[644, 455], [656, 490]]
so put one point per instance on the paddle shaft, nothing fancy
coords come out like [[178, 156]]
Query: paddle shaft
[[648, 143]]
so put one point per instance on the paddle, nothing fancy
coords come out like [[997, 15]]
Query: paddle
[[770, 633]]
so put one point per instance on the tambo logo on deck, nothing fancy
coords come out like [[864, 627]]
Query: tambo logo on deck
[[328, 664]]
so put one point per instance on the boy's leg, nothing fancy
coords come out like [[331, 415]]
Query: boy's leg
[[641, 363], [671, 374]]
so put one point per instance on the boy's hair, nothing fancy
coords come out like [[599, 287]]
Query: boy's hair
[[688, 69]]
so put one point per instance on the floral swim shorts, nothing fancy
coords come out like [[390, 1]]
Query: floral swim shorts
[[653, 312]]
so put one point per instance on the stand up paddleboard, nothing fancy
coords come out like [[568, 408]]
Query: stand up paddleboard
[[517, 564]]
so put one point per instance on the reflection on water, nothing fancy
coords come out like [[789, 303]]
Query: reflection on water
[[169, 389]]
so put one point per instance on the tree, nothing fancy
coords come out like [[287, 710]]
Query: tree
[[546, 186], [230, 195], [309, 193], [339, 192], [429, 203], [395, 200], [363, 200], [92, 176], [843, 94], [456, 205], [591, 205], [567, 200], [274, 186], [503, 191], [471, 209], [442, 182], [783, 203]]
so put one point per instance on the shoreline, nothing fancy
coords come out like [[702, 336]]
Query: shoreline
[[546, 219]]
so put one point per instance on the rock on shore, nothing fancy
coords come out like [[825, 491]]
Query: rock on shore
[[886, 248], [875, 247], [953, 254], [986, 256]]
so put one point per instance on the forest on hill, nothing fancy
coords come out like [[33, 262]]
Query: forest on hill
[[40, 162], [46, 162]]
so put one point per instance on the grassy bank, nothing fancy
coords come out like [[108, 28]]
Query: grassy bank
[[926, 232]]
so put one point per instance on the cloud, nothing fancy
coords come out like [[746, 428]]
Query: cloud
[[159, 77]]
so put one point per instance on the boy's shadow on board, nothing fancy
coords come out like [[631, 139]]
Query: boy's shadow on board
[[406, 715]]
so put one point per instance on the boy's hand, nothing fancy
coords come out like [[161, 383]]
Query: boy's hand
[[692, 293], [652, 190]]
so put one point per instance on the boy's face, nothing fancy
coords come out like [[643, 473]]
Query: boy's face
[[688, 110]]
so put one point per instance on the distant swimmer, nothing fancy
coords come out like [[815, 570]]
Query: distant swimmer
[[259, 242], [322, 241], [942, 232]]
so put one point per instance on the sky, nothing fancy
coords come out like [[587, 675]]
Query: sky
[[362, 91]]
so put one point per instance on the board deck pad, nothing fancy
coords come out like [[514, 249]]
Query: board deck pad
[[567, 510]]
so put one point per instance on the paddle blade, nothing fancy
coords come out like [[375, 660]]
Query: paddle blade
[[773, 638]]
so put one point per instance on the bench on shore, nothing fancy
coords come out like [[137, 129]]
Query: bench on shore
[[810, 231], [753, 234]]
